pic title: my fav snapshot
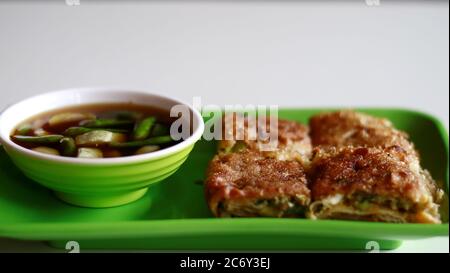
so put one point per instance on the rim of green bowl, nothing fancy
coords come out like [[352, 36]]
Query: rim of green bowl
[[191, 140]]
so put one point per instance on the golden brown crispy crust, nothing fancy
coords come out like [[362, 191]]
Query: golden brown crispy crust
[[293, 139], [349, 128], [248, 177], [380, 176], [368, 170]]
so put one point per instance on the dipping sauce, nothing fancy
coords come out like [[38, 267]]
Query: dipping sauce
[[97, 131]]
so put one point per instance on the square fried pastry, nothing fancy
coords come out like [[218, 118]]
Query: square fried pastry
[[293, 138], [371, 184], [350, 128], [246, 184]]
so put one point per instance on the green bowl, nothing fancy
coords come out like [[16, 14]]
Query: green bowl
[[104, 182]]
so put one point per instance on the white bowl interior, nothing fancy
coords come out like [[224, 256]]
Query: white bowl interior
[[33, 106]]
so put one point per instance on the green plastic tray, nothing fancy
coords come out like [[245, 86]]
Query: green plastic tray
[[174, 215]]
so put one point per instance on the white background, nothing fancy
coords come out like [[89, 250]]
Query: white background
[[289, 53]]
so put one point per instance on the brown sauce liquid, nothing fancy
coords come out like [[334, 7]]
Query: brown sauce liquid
[[102, 111]]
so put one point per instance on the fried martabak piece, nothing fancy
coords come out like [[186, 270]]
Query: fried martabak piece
[[371, 184], [246, 184], [350, 128], [293, 139]]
